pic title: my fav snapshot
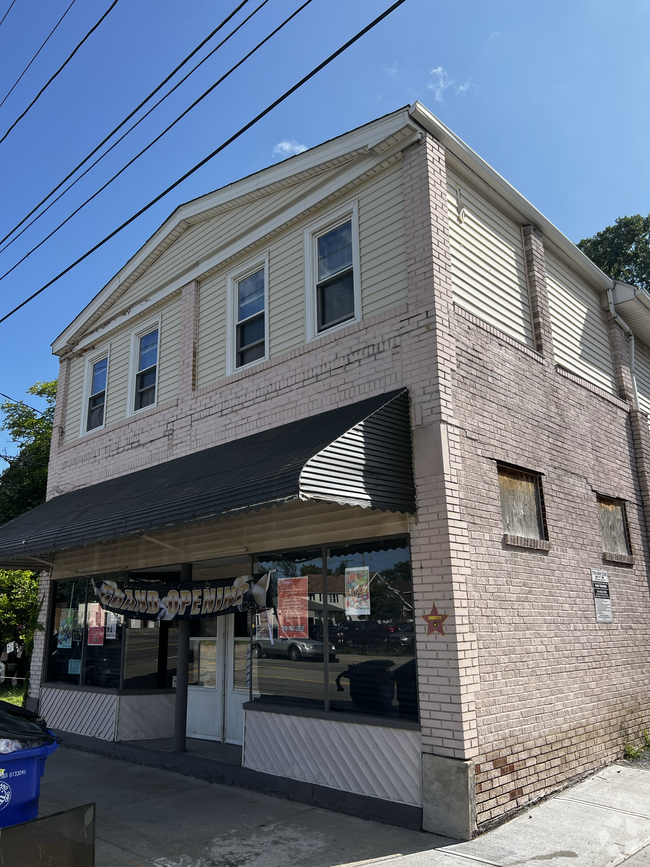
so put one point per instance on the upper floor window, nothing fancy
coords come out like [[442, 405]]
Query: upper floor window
[[522, 506], [335, 286], [248, 317], [97, 396], [332, 272], [613, 527], [147, 370]]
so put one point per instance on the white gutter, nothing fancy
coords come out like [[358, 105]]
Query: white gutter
[[630, 335], [473, 161]]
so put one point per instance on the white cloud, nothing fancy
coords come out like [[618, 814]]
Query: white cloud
[[494, 34], [391, 70], [440, 83], [464, 87], [284, 149]]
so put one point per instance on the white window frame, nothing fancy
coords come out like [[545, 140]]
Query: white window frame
[[343, 214], [91, 361], [233, 278], [150, 325]]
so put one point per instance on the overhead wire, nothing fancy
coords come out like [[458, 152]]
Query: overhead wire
[[127, 118], [43, 44], [7, 12], [209, 157], [59, 70], [117, 141], [156, 139], [21, 402]]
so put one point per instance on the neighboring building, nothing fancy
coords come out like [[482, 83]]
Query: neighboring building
[[244, 394]]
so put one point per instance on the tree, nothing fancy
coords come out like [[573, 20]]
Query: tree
[[622, 251], [23, 483], [18, 601]]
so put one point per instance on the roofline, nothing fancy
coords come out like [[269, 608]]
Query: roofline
[[311, 158], [473, 161]]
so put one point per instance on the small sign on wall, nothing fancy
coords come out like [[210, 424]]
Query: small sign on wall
[[602, 601]]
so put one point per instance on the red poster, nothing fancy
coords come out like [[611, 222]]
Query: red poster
[[96, 620], [293, 608]]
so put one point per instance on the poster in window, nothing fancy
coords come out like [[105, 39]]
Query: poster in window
[[95, 625], [357, 591], [111, 625], [293, 608], [264, 625], [66, 625]]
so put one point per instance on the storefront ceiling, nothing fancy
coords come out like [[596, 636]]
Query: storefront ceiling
[[357, 455]]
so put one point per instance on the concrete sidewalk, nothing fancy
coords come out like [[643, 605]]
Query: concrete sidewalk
[[152, 818]]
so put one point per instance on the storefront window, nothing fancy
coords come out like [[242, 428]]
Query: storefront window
[[287, 644], [368, 606], [68, 627], [203, 662], [88, 645]]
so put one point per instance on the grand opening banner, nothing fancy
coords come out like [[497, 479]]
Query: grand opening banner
[[181, 600]]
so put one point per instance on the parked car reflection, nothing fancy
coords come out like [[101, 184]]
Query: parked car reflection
[[292, 648]]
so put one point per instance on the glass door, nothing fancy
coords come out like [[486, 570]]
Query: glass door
[[205, 683]]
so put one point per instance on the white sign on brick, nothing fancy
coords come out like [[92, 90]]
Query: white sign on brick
[[602, 601]]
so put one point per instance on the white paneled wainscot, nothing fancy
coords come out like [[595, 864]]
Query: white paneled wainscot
[[348, 756]]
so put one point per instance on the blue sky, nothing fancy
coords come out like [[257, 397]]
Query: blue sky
[[553, 95]]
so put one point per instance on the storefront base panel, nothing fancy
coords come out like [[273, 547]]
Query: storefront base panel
[[228, 774], [374, 761], [108, 716]]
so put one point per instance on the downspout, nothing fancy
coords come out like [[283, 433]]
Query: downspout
[[630, 336]]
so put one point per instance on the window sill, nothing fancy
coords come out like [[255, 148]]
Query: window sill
[[525, 542], [619, 558], [334, 716]]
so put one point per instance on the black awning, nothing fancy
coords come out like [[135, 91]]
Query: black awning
[[356, 455]]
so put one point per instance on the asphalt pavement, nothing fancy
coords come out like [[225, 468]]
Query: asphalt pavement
[[152, 818]]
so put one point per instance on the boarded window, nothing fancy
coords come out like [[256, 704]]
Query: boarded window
[[613, 526], [521, 503]]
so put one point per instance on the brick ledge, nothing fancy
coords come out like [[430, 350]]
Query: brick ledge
[[525, 542]]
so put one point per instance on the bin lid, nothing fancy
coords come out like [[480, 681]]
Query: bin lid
[[19, 724]]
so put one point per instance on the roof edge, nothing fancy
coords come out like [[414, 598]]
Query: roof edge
[[477, 164]]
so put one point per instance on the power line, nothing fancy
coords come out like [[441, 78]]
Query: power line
[[210, 156], [20, 402], [127, 118], [59, 70], [158, 137], [37, 53], [7, 12], [115, 143]]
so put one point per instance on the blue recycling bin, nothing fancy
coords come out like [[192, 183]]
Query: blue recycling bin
[[20, 783]]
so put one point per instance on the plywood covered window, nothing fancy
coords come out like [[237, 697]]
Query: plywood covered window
[[613, 526], [521, 503]]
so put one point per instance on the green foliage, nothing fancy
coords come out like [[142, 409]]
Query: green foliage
[[622, 251], [630, 752], [311, 569], [12, 694], [23, 483], [18, 607]]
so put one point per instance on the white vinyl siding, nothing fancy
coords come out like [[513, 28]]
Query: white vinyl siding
[[487, 261], [117, 395], [205, 238], [580, 336], [73, 409], [382, 265], [642, 370]]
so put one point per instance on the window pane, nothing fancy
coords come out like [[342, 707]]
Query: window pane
[[68, 631], [148, 350], [520, 504], [141, 663], [145, 388], [203, 663], [375, 669], [287, 652], [99, 376], [250, 295], [611, 515], [335, 251], [103, 656], [336, 301], [250, 332], [96, 410]]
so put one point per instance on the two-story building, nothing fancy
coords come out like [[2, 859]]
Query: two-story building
[[375, 352]]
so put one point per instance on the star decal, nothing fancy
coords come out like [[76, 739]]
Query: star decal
[[434, 621]]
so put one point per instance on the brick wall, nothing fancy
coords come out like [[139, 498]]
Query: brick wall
[[560, 695]]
